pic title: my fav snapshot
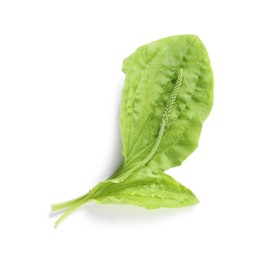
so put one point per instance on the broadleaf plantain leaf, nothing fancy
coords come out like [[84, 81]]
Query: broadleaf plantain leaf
[[144, 188], [151, 74], [168, 93]]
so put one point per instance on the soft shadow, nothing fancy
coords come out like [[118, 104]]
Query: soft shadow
[[54, 214], [109, 213], [114, 154]]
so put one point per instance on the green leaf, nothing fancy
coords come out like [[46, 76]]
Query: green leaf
[[144, 188], [151, 74], [168, 93]]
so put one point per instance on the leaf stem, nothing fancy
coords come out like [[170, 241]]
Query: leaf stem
[[71, 209], [67, 204]]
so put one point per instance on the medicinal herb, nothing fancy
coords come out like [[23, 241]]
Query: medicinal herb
[[167, 95]]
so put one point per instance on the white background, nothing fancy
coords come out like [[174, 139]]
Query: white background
[[60, 88]]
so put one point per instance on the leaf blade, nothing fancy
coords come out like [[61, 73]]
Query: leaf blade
[[146, 189], [193, 103]]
